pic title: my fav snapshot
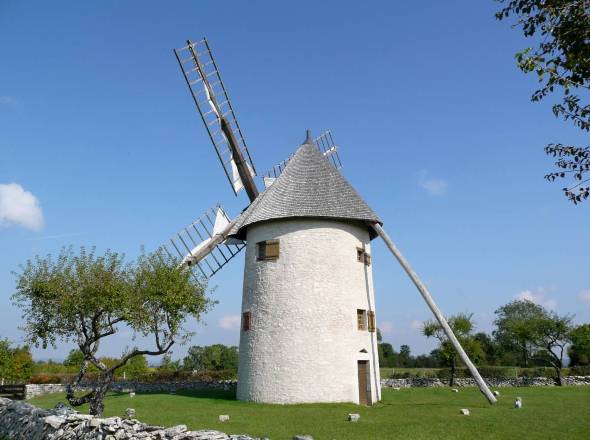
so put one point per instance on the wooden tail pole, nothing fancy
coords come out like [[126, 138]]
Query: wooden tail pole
[[435, 310]]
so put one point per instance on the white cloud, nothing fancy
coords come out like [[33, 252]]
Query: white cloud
[[229, 322], [584, 297], [417, 325], [386, 327], [538, 297], [19, 207], [9, 100], [434, 186]]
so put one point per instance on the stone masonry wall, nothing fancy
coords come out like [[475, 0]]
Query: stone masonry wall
[[21, 421], [33, 390], [462, 382]]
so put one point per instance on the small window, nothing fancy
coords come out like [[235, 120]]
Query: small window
[[371, 318], [268, 250], [362, 256], [361, 319], [246, 321]]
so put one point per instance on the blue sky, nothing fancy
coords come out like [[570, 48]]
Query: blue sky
[[432, 116]]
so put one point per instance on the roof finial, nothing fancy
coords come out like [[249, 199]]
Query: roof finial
[[308, 138]]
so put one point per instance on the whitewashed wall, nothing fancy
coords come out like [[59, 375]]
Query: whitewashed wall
[[303, 345]]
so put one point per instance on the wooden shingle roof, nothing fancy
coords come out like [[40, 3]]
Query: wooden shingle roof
[[309, 186]]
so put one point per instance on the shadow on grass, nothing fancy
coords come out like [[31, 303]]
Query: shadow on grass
[[229, 395]]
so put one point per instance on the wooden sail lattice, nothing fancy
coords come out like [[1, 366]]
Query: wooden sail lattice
[[185, 244], [212, 101]]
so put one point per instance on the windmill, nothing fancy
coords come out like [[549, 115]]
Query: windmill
[[308, 307]]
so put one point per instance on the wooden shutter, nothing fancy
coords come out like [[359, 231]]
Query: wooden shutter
[[371, 316], [361, 318], [268, 250], [246, 318]]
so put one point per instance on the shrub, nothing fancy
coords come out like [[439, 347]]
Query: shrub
[[580, 370], [45, 378]]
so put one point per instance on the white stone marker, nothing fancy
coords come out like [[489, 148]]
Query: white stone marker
[[496, 393], [223, 418], [518, 403], [131, 394], [354, 417], [455, 390], [130, 413], [464, 412]]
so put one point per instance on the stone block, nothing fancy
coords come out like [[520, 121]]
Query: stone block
[[354, 417], [224, 418], [496, 393], [464, 412], [130, 413], [455, 390], [303, 437]]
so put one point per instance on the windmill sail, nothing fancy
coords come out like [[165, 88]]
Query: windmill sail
[[210, 96], [203, 246]]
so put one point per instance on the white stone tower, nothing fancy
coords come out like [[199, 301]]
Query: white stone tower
[[308, 331]]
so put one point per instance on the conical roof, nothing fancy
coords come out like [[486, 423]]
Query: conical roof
[[309, 186]]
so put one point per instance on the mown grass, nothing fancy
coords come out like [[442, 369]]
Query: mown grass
[[419, 413]]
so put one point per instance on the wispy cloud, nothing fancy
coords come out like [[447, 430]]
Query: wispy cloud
[[386, 327], [229, 322], [538, 296], [9, 100], [433, 186], [51, 237], [19, 207], [584, 297]]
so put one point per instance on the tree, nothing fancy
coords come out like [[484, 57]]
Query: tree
[[561, 61], [579, 351], [462, 326], [86, 298], [535, 332], [135, 368], [16, 363], [515, 328], [167, 364], [74, 359], [405, 356], [490, 348], [552, 335], [212, 357]]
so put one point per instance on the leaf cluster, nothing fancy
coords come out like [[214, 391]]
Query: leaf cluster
[[561, 61]]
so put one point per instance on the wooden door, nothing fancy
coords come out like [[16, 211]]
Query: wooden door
[[364, 391]]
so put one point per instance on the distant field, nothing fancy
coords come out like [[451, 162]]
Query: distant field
[[547, 413]]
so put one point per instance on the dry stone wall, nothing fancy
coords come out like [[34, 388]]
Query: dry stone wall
[[21, 421], [33, 390], [469, 382]]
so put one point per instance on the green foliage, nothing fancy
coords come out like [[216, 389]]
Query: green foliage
[[74, 359], [84, 297], [135, 368], [561, 62], [462, 326], [515, 328], [212, 357], [535, 332], [16, 363], [579, 351]]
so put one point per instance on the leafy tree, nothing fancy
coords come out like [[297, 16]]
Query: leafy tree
[[167, 364], [490, 348], [387, 355], [405, 356], [74, 359], [212, 357], [534, 332], [135, 368], [515, 328], [561, 61], [16, 363], [462, 326], [579, 351], [86, 298]]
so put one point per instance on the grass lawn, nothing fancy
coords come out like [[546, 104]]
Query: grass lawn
[[419, 413]]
